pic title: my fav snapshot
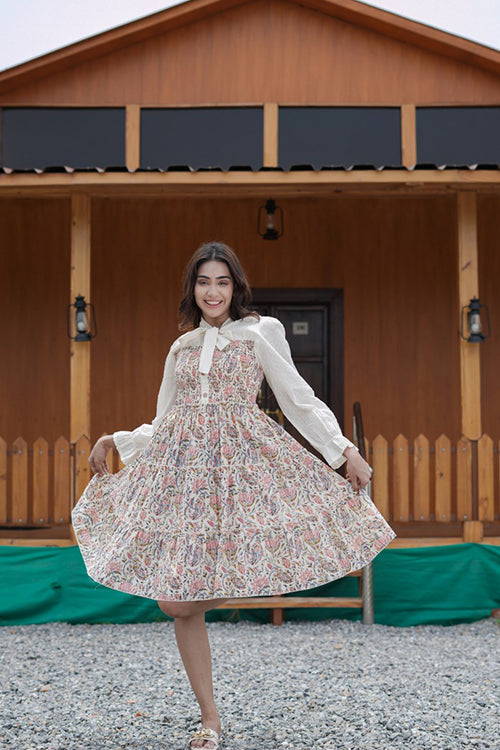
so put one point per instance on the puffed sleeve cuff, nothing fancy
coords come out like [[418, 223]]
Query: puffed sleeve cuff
[[130, 444], [334, 451]]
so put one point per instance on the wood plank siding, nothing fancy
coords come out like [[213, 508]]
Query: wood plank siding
[[34, 293], [262, 52], [395, 260], [354, 244], [489, 275]]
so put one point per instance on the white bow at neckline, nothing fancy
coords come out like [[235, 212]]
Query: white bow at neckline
[[212, 338]]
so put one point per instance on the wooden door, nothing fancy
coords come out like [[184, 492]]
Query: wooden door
[[314, 330]]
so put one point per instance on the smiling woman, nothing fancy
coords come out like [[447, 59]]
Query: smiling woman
[[215, 287], [217, 500], [213, 291]]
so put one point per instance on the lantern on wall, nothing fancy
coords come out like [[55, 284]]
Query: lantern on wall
[[270, 221], [81, 320], [474, 333]]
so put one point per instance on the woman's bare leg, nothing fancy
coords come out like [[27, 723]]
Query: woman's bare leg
[[194, 648]]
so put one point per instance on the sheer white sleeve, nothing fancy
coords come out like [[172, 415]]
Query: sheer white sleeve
[[311, 417], [131, 443]]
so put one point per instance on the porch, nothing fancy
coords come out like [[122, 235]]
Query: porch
[[434, 487]]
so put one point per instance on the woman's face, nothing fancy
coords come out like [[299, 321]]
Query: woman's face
[[213, 291]]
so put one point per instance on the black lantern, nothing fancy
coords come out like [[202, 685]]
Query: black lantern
[[85, 329], [474, 323], [270, 221]]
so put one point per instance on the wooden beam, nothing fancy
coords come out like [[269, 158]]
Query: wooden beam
[[408, 135], [270, 134], [264, 602], [468, 287], [27, 541], [308, 182], [133, 136], [80, 284]]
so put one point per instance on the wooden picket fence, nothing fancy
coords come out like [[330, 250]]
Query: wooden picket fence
[[413, 481], [424, 481], [39, 483]]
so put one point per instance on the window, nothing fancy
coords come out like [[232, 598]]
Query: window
[[339, 136], [202, 137], [458, 136], [35, 137]]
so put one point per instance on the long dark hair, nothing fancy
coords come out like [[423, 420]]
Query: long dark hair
[[191, 313]]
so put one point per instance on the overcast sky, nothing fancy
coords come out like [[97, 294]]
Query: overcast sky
[[29, 28]]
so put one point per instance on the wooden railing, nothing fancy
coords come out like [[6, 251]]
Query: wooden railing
[[39, 483], [440, 481], [418, 481]]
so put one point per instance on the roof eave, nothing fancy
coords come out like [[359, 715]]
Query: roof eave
[[406, 30], [232, 183], [111, 40]]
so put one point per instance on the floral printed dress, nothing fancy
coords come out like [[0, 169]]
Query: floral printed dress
[[216, 499]]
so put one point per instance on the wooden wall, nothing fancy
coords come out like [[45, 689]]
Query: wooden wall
[[262, 51], [394, 258], [34, 293], [489, 293]]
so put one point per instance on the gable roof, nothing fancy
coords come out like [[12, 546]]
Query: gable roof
[[351, 11]]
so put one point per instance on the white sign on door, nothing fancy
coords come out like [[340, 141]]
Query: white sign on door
[[300, 328]]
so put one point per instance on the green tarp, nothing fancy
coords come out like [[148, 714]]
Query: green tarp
[[441, 585]]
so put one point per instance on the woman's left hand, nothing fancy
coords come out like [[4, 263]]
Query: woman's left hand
[[358, 471]]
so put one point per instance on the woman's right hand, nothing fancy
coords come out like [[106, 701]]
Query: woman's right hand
[[97, 458]]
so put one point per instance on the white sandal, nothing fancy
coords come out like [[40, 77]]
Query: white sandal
[[208, 735]]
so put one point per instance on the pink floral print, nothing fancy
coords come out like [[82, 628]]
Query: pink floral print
[[223, 502]]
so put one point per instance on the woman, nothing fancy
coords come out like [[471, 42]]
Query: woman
[[216, 500]]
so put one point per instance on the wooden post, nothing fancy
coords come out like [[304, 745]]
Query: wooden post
[[470, 371], [80, 284], [473, 531], [408, 135], [80, 350], [270, 134], [133, 136], [470, 374]]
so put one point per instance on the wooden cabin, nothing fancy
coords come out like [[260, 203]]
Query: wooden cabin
[[377, 137]]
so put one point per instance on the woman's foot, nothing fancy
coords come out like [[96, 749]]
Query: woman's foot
[[207, 742]]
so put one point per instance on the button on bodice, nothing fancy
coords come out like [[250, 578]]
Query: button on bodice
[[234, 378]]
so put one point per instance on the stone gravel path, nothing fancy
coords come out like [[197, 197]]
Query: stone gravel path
[[335, 685]]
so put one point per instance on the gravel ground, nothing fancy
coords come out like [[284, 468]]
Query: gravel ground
[[328, 685]]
